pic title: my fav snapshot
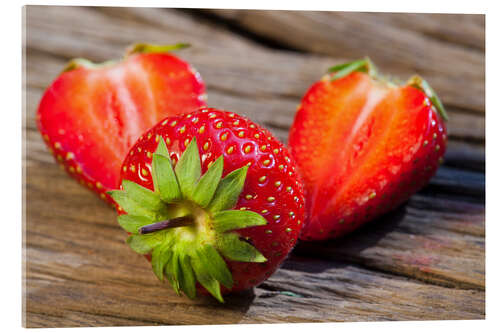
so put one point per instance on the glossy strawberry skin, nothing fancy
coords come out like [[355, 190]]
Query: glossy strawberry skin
[[272, 187], [362, 149], [90, 117]]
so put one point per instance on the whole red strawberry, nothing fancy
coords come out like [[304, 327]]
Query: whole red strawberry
[[92, 113], [211, 198], [363, 146]]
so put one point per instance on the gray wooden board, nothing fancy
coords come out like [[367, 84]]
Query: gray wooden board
[[423, 261]]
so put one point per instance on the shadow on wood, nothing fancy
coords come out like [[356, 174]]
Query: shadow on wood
[[365, 237]]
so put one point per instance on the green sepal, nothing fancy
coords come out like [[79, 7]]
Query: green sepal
[[235, 249], [206, 279], [215, 265], [172, 271], [419, 83], [162, 149], [188, 169], [144, 244], [159, 258], [236, 219], [205, 189], [132, 223], [228, 190], [154, 48], [131, 206], [164, 179], [144, 197], [362, 65], [187, 280]]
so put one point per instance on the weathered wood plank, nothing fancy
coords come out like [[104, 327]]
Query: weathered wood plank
[[440, 27], [79, 271], [82, 265], [272, 109], [465, 155], [399, 43], [434, 238], [289, 74], [68, 318], [459, 182], [72, 235], [341, 298], [331, 292], [286, 82]]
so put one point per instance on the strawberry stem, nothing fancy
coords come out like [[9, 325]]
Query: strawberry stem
[[182, 221], [154, 48], [363, 65]]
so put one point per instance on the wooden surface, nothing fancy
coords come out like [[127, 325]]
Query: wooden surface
[[424, 261]]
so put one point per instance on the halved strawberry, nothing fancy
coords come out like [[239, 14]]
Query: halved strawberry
[[92, 113], [364, 145]]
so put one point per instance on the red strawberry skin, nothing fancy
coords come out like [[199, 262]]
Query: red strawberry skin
[[362, 148], [272, 186], [90, 117]]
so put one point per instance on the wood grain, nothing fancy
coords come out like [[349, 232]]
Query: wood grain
[[253, 85], [424, 261], [404, 43], [81, 265]]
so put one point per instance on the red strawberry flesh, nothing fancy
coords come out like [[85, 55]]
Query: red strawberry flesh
[[363, 147], [90, 117]]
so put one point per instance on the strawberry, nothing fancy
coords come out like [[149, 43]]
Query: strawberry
[[92, 113], [210, 198], [363, 145]]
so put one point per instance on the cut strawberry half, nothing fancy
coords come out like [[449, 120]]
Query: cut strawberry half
[[92, 113], [364, 145]]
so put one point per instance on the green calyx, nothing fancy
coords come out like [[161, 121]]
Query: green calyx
[[85, 63], [154, 48], [187, 223], [419, 83], [131, 50], [363, 65], [366, 66]]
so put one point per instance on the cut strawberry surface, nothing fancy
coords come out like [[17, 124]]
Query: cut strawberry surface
[[363, 146], [92, 113]]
